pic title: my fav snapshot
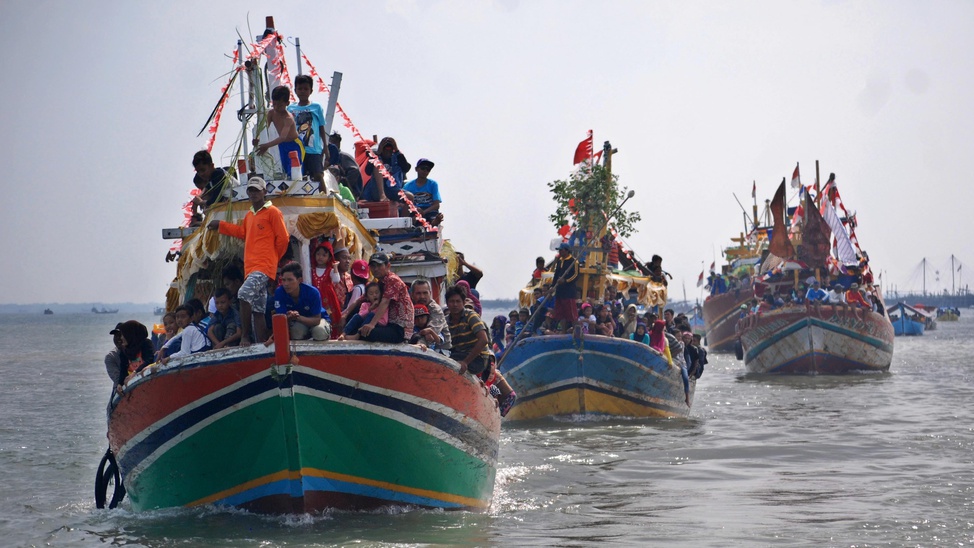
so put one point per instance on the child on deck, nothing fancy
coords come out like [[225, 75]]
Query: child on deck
[[283, 123], [586, 319], [309, 120], [373, 294], [421, 320]]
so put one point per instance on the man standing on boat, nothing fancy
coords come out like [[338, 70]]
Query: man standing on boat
[[565, 274], [395, 300], [265, 241]]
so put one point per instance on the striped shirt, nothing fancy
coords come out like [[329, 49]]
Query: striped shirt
[[463, 333]]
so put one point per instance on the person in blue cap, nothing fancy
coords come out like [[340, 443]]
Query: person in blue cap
[[425, 192]]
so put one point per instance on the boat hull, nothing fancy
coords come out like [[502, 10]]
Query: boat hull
[[591, 376], [906, 327], [720, 315], [797, 340], [349, 426]]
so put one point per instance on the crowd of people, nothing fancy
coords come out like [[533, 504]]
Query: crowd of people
[[300, 130], [345, 300]]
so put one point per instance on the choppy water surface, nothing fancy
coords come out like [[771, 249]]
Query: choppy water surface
[[864, 460]]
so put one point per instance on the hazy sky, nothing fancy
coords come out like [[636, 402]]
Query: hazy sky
[[102, 102]]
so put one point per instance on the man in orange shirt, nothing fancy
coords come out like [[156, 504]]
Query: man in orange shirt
[[265, 241]]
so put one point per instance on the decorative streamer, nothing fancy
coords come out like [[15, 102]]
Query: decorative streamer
[[372, 158]]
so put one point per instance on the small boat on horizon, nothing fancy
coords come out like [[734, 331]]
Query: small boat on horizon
[[104, 310], [48, 312]]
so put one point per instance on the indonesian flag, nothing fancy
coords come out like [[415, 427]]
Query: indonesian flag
[[713, 265], [796, 180], [700, 279], [583, 151], [800, 210]]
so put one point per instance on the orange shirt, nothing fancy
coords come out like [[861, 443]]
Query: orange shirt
[[853, 296], [265, 239]]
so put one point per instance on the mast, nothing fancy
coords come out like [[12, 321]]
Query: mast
[[243, 108], [297, 53], [924, 262], [754, 195], [953, 288]]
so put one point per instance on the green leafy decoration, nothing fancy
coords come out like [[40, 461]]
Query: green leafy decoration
[[596, 193]]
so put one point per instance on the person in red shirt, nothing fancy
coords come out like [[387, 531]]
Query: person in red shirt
[[854, 298], [395, 300], [265, 241]]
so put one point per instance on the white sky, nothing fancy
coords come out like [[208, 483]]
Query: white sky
[[102, 102]]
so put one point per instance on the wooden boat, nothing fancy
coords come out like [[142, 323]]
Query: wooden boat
[[907, 320], [799, 340], [805, 339], [48, 312], [928, 316], [721, 309], [303, 426], [578, 375], [948, 314]]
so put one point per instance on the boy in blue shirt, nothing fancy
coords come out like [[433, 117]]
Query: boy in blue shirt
[[425, 193], [310, 121], [301, 303]]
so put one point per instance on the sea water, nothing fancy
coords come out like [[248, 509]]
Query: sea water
[[860, 460]]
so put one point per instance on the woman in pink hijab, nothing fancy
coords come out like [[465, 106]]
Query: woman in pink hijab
[[657, 339], [462, 284]]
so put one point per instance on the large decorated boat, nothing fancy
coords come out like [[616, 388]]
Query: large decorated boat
[[790, 335], [302, 426], [588, 375]]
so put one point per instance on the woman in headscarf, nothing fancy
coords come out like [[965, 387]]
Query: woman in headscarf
[[323, 278], [640, 334], [627, 322], [497, 332], [468, 295], [657, 339], [137, 352]]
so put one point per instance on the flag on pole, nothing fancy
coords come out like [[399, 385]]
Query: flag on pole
[[796, 180], [700, 279], [754, 190], [584, 149]]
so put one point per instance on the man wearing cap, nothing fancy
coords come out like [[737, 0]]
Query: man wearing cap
[[855, 298], [815, 295], [265, 241], [837, 298], [395, 300], [438, 332], [425, 192], [113, 360], [565, 274]]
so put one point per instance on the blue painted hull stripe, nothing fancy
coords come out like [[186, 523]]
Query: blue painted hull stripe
[[187, 420]]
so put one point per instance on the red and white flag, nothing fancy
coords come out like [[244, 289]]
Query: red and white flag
[[796, 180], [713, 265], [700, 279], [583, 151]]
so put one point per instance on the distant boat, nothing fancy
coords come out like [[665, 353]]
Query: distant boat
[[159, 311], [103, 310], [907, 320], [48, 312]]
